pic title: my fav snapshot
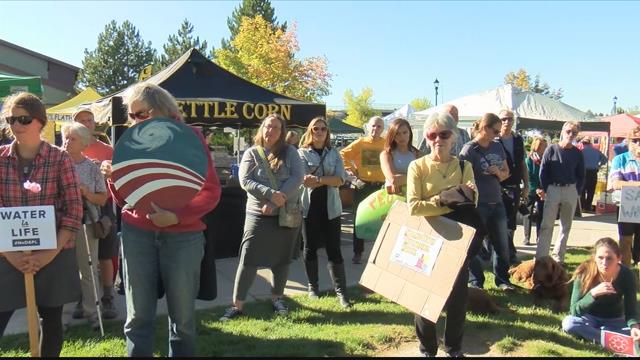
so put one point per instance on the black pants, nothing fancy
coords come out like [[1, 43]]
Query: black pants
[[361, 194], [456, 305], [318, 233], [511, 200], [590, 181], [52, 337], [534, 202]]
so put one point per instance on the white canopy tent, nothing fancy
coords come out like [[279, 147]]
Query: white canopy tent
[[532, 110], [403, 112]]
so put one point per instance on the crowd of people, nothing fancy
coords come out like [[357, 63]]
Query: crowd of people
[[293, 194]]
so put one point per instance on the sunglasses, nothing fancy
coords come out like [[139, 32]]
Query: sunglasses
[[24, 119], [444, 135], [319, 129], [140, 115]]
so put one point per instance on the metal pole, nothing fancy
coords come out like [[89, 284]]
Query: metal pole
[[93, 279]]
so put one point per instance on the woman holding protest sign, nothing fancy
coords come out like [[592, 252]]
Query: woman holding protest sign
[[271, 173], [625, 171], [75, 138], [164, 245], [35, 173], [604, 296], [429, 184], [324, 174]]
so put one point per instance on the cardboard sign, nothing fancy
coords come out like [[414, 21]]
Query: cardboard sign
[[619, 343], [630, 204], [159, 160], [415, 260], [25, 228]]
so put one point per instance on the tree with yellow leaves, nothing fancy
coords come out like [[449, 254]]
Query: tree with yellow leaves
[[266, 56]]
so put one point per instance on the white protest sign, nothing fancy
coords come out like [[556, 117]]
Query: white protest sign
[[630, 204], [25, 228]]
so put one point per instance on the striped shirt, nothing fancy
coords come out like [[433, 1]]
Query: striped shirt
[[624, 167], [53, 169]]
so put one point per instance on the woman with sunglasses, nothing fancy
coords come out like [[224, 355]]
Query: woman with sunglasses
[[324, 173], [427, 177], [271, 173], [165, 246], [490, 168], [397, 154], [35, 173], [625, 170]]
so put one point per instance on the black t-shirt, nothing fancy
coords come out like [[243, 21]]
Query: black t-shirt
[[318, 199]]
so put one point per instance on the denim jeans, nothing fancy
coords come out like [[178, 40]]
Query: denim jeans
[[495, 220], [589, 327], [173, 259]]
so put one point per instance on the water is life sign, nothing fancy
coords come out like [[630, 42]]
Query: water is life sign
[[25, 228], [630, 204]]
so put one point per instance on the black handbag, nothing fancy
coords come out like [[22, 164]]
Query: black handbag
[[458, 196]]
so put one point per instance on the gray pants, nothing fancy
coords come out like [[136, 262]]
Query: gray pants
[[246, 274], [565, 198], [86, 281]]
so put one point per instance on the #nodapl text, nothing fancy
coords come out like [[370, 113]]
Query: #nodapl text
[[25, 242]]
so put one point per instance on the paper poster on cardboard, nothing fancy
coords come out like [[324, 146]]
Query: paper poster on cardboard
[[630, 204], [25, 228], [416, 250]]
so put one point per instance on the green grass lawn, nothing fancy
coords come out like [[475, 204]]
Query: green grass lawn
[[323, 328]]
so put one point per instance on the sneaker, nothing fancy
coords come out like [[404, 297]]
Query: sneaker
[[313, 293], [279, 308], [78, 312], [357, 258], [506, 287], [231, 313], [94, 322], [109, 310]]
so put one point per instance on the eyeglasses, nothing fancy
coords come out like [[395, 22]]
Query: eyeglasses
[[24, 119], [444, 135], [635, 141], [570, 132], [319, 129], [140, 115]]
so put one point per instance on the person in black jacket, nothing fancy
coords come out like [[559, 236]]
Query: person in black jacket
[[513, 145]]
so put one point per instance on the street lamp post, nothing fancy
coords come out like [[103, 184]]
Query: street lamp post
[[615, 109], [435, 85]]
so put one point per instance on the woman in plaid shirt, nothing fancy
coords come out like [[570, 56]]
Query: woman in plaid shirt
[[33, 173]]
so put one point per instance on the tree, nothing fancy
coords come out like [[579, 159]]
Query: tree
[[250, 9], [117, 60], [419, 104], [634, 110], [267, 57], [359, 107], [180, 43], [522, 80]]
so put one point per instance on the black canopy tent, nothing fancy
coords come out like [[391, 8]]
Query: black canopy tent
[[209, 95]]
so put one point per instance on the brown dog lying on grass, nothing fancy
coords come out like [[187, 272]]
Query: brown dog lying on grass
[[479, 302], [546, 279]]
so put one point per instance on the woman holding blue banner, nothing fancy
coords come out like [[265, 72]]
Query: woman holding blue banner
[[35, 173], [428, 179], [324, 174], [163, 245]]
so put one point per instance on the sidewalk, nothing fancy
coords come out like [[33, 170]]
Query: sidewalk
[[585, 232]]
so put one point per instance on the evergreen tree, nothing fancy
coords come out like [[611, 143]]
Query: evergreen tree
[[178, 44], [117, 60]]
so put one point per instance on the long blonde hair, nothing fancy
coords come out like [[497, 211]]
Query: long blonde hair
[[278, 151], [307, 137], [588, 271]]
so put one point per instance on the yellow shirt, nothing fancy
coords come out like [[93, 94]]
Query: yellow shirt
[[362, 157], [426, 178]]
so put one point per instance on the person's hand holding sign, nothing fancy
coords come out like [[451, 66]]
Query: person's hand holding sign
[[161, 217], [40, 258], [19, 260]]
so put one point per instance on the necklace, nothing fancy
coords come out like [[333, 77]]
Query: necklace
[[446, 171]]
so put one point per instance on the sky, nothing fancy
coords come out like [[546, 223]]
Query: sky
[[398, 48]]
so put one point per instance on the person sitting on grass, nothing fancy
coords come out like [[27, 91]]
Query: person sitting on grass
[[603, 297]]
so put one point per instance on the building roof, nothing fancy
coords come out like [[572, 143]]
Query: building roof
[[38, 55]]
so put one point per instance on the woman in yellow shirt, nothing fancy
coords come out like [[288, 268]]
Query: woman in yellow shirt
[[426, 178]]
